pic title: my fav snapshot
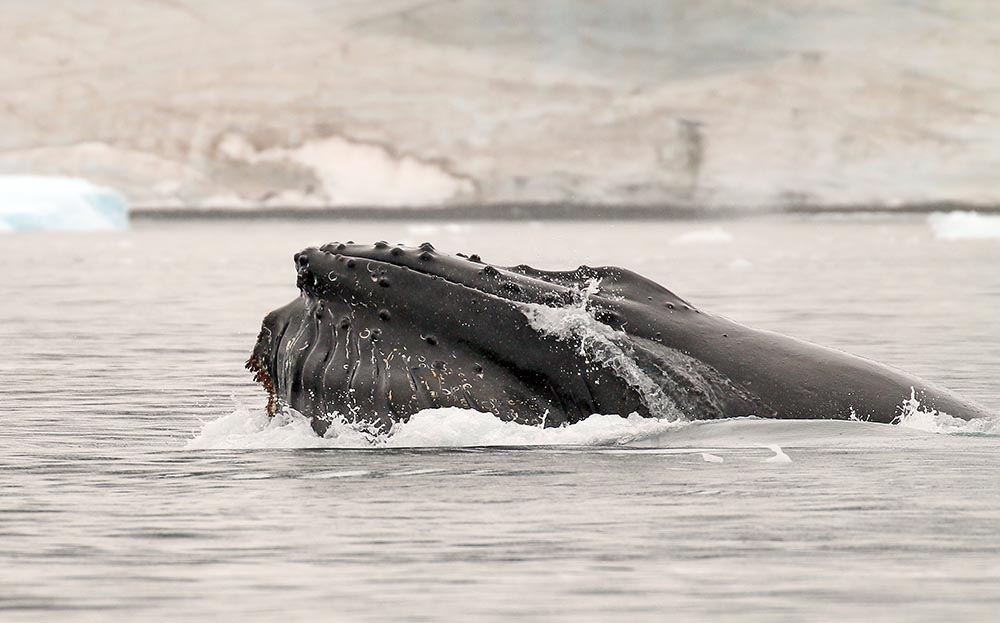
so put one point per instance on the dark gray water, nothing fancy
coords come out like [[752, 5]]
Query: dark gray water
[[118, 347]]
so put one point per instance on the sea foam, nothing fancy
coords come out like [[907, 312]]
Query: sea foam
[[249, 428]]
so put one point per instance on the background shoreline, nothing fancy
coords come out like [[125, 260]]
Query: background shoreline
[[542, 211]]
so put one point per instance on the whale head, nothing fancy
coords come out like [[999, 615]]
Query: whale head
[[382, 331]]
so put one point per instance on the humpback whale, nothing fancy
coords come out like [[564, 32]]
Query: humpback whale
[[380, 332]]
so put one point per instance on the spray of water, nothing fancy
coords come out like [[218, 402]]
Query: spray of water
[[601, 345], [914, 415]]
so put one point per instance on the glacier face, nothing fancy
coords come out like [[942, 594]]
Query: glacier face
[[325, 102], [42, 203]]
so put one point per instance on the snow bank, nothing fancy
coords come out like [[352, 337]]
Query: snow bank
[[38, 203], [356, 173], [719, 104]]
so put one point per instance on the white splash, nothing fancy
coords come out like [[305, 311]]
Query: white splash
[[964, 225], [711, 235], [250, 429], [452, 427], [599, 344], [914, 415]]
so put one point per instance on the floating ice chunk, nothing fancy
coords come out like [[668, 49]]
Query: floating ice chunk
[[252, 476], [38, 203], [779, 455], [711, 235], [429, 229], [964, 225]]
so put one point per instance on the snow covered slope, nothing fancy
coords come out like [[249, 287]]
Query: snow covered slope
[[323, 102]]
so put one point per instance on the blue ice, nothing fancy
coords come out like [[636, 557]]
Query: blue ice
[[43, 203]]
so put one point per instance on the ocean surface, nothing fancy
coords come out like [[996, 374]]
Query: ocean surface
[[141, 480]]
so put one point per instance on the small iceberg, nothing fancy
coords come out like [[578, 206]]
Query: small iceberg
[[779, 455], [964, 225], [711, 235], [42, 203]]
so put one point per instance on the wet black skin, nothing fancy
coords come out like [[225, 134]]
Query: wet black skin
[[381, 332]]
